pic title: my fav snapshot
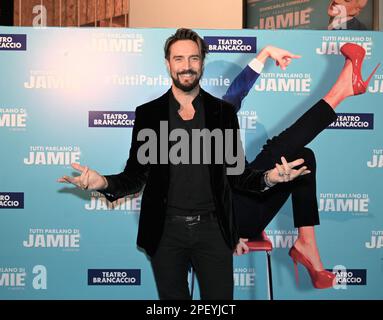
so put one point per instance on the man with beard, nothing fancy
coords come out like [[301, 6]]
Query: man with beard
[[186, 210], [343, 14]]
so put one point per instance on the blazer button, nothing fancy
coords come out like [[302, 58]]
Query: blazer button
[[165, 200]]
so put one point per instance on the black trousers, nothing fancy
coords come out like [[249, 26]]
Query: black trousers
[[254, 213], [201, 245]]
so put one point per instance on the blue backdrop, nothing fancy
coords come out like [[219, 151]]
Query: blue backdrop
[[69, 95]]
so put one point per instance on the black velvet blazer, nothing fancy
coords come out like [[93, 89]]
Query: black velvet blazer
[[155, 177]]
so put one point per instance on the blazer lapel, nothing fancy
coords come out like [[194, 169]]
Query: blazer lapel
[[213, 111], [162, 114], [163, 107]]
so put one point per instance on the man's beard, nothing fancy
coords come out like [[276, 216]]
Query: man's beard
[[186, 87]]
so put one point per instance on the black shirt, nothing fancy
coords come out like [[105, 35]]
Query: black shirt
[[189, 185]]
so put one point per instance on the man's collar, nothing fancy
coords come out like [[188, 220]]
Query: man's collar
[[196, 101]]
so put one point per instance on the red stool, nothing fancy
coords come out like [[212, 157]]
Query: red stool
[[263, 243]]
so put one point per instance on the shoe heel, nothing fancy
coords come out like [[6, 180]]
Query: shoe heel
[[320, 279], [296, 272], [372, 73]]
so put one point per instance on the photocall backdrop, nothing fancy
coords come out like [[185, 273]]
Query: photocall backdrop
[[306, 14], [69, 95]]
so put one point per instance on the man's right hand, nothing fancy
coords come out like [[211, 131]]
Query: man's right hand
[[88, 180]]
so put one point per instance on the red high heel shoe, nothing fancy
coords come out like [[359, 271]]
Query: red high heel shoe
[[356, 54], [320, 279]]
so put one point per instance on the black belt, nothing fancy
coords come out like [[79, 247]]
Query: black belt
[[192, 219]]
